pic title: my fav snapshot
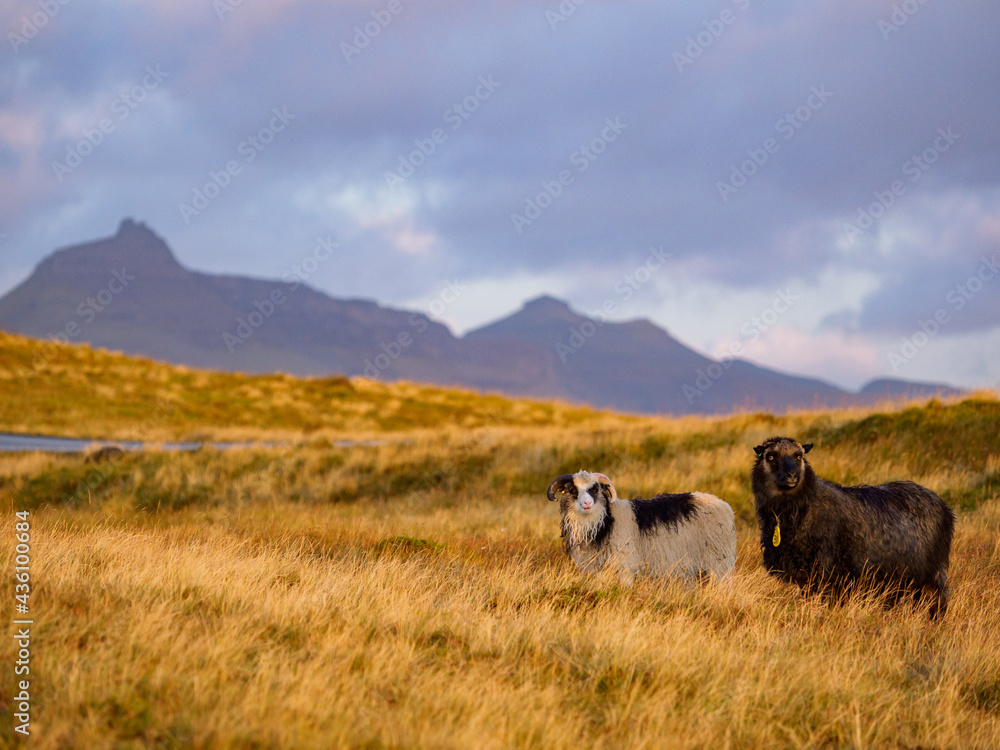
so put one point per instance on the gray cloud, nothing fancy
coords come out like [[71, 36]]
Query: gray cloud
[[657, 184]]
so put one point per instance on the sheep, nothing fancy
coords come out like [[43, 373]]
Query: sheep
[[826, 538], [689, 535], [107, 453]]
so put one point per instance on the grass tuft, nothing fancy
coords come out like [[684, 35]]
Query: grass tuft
[[405, 545]]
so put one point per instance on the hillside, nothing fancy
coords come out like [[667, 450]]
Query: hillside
[[77, 391], [129, 293]]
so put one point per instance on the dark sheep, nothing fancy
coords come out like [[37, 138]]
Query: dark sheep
[[825, 537], [107, 453]]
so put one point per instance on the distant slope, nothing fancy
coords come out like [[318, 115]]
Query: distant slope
[[77, 391], [883, 389], [639, 367], [129, 293]]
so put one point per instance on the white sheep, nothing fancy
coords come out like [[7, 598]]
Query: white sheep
[[689, 535]]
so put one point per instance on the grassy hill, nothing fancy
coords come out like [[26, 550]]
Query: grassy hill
[[77, 391], [413, 592]]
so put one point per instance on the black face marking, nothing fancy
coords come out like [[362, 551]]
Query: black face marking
[[561, 486], [606, 523], [663, 510]]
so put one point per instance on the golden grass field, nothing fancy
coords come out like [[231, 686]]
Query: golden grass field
[[414, 593]]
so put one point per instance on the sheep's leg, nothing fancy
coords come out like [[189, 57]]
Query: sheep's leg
[[940, 589], [630, 565], [625, 563]]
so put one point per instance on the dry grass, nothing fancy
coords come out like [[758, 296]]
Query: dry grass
[[413, 593], [286, 626], [76, 391]]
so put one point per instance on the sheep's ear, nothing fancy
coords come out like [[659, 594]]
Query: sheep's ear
[[807, 447], [759, 450]]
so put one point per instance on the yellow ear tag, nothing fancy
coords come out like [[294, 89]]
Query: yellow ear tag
[[776, 539]]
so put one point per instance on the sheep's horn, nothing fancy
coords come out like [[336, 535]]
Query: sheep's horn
[[558, 484], [603, 479]]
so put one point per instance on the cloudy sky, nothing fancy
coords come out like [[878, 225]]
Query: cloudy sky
[[824, 176]]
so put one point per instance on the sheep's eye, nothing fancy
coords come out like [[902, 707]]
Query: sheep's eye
[[798, 458], [770, 456]]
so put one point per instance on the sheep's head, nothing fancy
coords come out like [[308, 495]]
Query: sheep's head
[[782, 462], [582, 491]]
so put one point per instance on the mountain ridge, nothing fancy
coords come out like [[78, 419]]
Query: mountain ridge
[[128, 292]]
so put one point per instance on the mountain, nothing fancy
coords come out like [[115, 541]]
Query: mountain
[[637, 366], [129, 293], [886, 389]]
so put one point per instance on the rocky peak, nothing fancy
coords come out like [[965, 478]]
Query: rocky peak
[[134, 247]]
